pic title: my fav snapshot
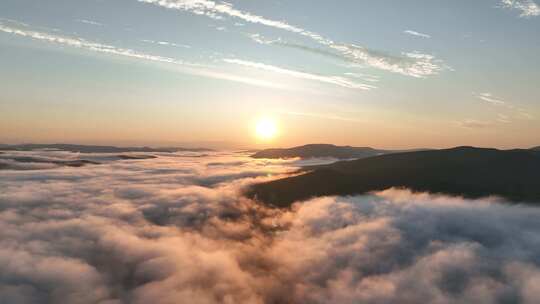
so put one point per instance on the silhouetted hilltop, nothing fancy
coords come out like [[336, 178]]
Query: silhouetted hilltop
[[95, 149], [466, 171], [536, 148], [320, 150], [68, 163]]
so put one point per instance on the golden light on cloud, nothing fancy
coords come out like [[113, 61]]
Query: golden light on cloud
[[266, 128]]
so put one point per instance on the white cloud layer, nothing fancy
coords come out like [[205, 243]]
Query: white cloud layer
[[176, 228]]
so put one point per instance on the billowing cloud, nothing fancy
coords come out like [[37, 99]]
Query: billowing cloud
[[412, 64], [176, 228], [417, 34], [528, 8]]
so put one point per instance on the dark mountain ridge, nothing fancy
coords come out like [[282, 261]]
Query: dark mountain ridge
[[320, 150], [465, 171], [95, 149]]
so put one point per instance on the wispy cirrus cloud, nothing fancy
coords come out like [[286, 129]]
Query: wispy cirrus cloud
[[417, 34], [89, 22], [166, 43], [528, 8], [263, 40], [488, 97], [414, 64], [473, 124], [335, 80], [502, 118], [217, 11], [184, 66], [408, 63], [365, 77], [513, 111], [84, 44], [322, 116]]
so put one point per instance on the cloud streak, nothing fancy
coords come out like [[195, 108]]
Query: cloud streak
[[474, 124], [412, 64], [417, 34], [183, 66], [89, 22], [528, 8], [186, 67], [323, 116], [335, 80], [488, 97], [511, 110], [91, 46], [166, 43]]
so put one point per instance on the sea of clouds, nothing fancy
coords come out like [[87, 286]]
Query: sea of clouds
[[177, 229]]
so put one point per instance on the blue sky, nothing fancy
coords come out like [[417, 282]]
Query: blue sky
[[380, 73]]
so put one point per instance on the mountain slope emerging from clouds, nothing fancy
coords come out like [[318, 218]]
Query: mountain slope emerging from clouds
[[466, 171], [320, 150]]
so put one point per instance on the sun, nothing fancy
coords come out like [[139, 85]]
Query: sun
[[266, 128]]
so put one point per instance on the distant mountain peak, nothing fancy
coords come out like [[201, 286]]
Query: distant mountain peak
[[320, 150], [464, 171], [94, 148]]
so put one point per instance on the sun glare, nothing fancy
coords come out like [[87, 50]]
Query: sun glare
[[266, 128]]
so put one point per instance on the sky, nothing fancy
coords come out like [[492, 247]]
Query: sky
[[387, 74]]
